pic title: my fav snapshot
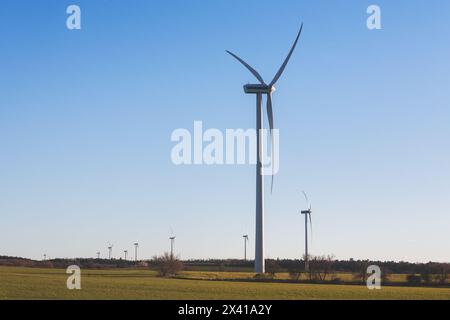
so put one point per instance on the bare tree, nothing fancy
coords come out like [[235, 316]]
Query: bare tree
[[168, 265], [361, 273], [320, 267], [295, 271]]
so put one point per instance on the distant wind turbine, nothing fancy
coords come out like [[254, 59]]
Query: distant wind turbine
[[172, 243], [245, 236], [307, 214], [110, 246], [136, 245], [98, 255], [126, 253], [259, 90]]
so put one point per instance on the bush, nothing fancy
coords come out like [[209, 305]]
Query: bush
[[168, 265], [320, 267]]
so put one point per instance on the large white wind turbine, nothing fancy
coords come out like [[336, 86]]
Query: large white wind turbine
[[259, 90]]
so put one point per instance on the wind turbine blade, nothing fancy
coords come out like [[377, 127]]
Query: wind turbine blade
[[270, 112], [280, 71], [253, 71], [270, 117], [310, 225], [307, 200]]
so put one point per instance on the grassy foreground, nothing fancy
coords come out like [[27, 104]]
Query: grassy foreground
[[29, 283]]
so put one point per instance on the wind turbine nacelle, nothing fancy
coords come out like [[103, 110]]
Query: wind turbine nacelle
[[258, 89], [306, 212]]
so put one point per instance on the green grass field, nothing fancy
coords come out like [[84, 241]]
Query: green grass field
[[28, 283]]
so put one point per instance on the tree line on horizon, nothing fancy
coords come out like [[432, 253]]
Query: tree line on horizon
[[273, 265]]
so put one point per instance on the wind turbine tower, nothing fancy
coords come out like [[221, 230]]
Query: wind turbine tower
[[172, 242], [126, 253], [136, 245], [259, 90], [98, 255]]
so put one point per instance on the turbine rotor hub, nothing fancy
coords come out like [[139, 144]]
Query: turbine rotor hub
[[258, 89]]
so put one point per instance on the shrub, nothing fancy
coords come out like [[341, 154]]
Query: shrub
[[168, 265], [320, 267]]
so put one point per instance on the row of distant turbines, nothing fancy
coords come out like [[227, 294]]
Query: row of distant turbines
[[172, 238], [110, 247], [136, 246], [307, 213]]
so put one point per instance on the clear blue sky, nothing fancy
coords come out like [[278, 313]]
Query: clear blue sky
[[86, 118]]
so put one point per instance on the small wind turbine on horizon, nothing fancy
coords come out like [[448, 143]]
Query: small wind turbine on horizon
[[172, 243], [136, 245], [98, 255], [307, 214], [245, 236], [126, 253], [259, 90], [110, 246]]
